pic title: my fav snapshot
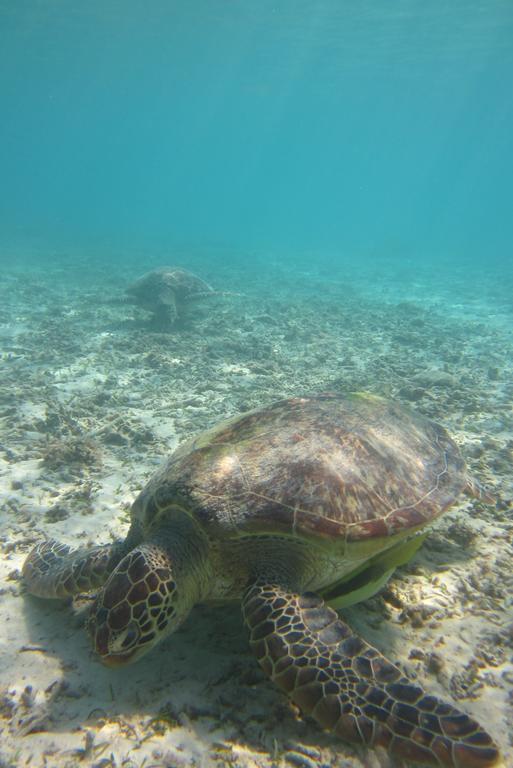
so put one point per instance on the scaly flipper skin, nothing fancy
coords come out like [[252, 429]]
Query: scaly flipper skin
[[54, 570], [350, 688]]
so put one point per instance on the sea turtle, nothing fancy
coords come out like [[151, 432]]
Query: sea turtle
[[166, 292], [308, 501]]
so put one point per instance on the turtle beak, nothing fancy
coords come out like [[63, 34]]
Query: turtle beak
[[102, 643], [117, 661], [107, 656], [100, 639]]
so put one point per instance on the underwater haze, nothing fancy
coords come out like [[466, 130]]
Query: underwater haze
[[370, 127], [297, 208]]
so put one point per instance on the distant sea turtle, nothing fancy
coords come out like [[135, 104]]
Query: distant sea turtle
[[166, 292], [311, 499]]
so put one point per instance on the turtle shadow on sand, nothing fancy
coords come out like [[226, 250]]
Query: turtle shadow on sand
[[203, 678]]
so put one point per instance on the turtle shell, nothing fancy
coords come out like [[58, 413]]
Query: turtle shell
[[357, 467]]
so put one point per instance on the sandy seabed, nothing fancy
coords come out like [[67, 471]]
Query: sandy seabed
[[92, 398]]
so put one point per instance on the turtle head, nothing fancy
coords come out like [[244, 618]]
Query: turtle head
[[138, 606]]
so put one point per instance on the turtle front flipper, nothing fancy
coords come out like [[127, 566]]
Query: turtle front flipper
[[55, 570], [350, 688]]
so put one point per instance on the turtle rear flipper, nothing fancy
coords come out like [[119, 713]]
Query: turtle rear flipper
[[55, 570], [350, 688]]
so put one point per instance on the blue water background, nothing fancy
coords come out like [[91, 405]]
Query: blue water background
[[363, 130]]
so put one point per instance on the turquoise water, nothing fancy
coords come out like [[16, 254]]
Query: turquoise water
[[367, 129]]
